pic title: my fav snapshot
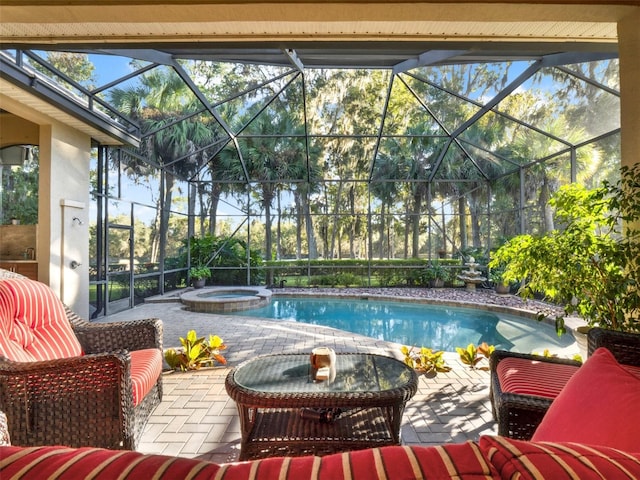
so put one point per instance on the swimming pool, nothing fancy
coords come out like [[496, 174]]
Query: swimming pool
[[418, 324]]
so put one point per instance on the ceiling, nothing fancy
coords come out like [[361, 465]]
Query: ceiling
[[365, 34], [285, 24]]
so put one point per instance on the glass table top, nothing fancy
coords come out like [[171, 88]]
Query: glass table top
[[292, 373]]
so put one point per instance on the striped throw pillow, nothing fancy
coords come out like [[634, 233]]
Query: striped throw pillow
[[522, 460], [33, 323]]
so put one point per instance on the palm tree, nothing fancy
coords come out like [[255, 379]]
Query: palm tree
[[157, 102]]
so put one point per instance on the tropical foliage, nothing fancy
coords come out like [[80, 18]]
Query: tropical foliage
[[197, 273], [590, 263], [424, 360], [473, 355], [196, 352]]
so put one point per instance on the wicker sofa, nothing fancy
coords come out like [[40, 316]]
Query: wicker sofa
[[489, 458], [65, 381]]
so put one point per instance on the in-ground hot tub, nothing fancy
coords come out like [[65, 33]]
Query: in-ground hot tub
[[226, 299]]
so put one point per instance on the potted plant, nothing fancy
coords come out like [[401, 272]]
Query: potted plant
[[500, 284], [589, 266], [199, 276], [436, 275]]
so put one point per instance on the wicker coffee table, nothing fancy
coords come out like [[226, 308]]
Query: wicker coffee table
[[283, 411]]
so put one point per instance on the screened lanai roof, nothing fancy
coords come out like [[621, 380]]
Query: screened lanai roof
[[380, 111]]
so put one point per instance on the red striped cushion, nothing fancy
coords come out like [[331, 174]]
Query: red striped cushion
[[62, 463], [33, 323], [146, 367], [518, 459], [453, 461], [532, 377]]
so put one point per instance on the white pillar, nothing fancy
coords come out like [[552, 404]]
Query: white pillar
[[64, 195], [629, 50]]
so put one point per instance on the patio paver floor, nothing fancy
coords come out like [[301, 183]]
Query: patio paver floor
[[197, 419]]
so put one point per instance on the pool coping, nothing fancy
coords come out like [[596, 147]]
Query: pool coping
[[196, 300]]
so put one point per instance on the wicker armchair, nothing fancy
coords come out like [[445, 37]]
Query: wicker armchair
[[85, 400], [518, 415]]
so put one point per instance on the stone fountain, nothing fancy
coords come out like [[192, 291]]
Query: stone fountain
[[471, 277]]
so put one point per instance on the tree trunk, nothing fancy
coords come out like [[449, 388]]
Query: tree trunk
[[279, 228], [382, 230], [462, 215], [165, 213], [354, 224], [311, 236], [299, 220], [266, 202], [216, 191], [193, 189], [547, 213], [407, 228], [415, 221], [474, 212], [336, 221]]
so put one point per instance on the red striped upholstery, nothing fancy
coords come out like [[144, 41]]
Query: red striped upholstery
[[518, 459], [531, 377], [454, 461], [146, 367], [463, 460], [33, 323], [73, 464], [490, 458]]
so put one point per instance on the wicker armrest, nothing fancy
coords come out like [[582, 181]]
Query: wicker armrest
[[72, 401], [129, 335], [624, 346]]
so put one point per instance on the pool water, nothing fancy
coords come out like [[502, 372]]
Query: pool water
[[418, 324]]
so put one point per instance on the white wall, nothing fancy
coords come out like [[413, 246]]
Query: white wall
[[64, 194]]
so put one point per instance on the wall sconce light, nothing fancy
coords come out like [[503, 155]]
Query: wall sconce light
[[77, 221], [74, 264]]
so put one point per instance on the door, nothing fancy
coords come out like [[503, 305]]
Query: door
[[119, 268]]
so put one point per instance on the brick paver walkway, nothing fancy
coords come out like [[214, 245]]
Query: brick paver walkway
[[197, 418]]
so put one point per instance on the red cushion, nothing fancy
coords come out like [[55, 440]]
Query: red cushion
[[62, 463], [519, 459], [454, 461], [533, 377], [146, 367], [33, 323], [632, 369], [457, 461], [598, 406]]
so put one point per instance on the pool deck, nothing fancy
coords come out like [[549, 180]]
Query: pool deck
[[197, 419]]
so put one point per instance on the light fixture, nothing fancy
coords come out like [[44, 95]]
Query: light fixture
[[15, 154], [77, 221]]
